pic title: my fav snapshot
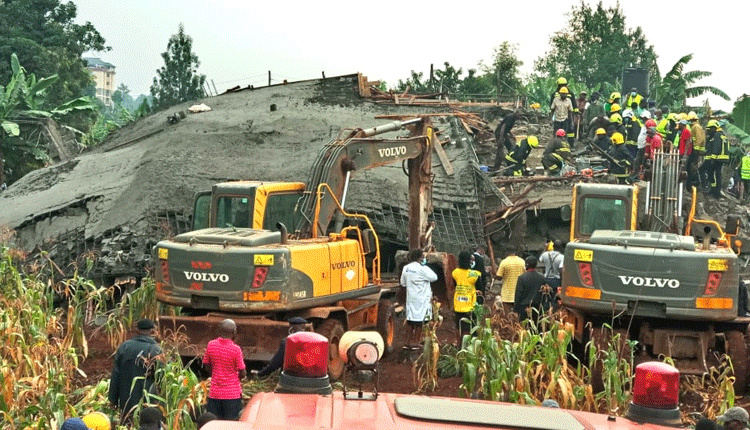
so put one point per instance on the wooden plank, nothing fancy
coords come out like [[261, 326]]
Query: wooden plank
[[447, 166]]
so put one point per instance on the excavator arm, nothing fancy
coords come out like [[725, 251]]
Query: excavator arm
[[359, 150]]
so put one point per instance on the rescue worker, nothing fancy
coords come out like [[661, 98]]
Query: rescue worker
[[614, 98], [745, 177], [562, 83], [516, 160], [579, 107], [717, 153], [615, 125], [504, 137], [593, 109], [597, 123], [632, 130], [664, 128], [634, 97], [562, 110], [614, 109], [602, 140], [624, 159], [555, 153], [673, 133], [699, 150]]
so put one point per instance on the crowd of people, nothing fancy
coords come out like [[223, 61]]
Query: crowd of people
[[529, 287], [627, 132]]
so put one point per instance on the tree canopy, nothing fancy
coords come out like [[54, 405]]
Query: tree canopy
[[503, 71], [48, 42], [595, 45], [178, 80], [677, 85]]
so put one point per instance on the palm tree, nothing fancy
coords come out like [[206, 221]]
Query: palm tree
[[677, 85]]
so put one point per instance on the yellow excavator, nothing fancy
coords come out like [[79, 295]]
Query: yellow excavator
[[263, 252]]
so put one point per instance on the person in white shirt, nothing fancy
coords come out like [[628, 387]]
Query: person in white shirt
[[416, 277]]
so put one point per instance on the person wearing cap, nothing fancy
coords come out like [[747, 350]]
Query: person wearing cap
[[562, 83], [556, 152], [516, 160], [133, 370], [562, 110], [640, 154], [225, 361], [735, 418], [602, 139], [74, 423], [296, 324], [504, 137], [684, 141], [653, 140]]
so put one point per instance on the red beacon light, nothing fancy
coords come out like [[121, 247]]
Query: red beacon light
[[656, 390], [305, 367]]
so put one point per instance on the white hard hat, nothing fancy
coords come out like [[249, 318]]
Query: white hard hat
[[628, 113], [646, 114]]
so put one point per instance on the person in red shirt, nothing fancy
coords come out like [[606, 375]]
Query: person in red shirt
[[224, 360], [653, 142], [685, 144]]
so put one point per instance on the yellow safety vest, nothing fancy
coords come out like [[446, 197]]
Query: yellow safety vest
[[745, 167]]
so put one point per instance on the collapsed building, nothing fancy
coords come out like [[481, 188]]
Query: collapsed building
[[111, 204]]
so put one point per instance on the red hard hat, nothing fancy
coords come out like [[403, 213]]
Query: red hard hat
[[560, 132], [650, 123]]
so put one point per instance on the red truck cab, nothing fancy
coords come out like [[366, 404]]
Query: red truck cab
[[315, 406]]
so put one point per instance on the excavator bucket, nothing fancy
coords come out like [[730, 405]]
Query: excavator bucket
[[258, 337]]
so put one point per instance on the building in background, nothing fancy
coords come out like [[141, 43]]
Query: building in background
[[104, 74]]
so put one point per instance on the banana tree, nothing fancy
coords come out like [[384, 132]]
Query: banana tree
[[678, 85], [22, 102]]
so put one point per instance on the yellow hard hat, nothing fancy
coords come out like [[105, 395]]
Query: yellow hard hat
[[601, 131], [712, 123], [692, 116], [681, 116], [616, 118], [97, 421], [533, 141], [617, 138], [613, 96], [614, 108], [562, 81], [564, 90], [672, 116]]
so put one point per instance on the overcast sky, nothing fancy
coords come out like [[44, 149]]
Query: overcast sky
[[238, 42]]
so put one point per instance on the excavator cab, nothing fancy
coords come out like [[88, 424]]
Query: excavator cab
[[248, 204], [602, 207]]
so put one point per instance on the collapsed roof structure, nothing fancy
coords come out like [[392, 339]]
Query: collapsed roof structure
[[117, 200]]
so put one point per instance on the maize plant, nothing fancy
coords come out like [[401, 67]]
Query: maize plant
[[425, 368]]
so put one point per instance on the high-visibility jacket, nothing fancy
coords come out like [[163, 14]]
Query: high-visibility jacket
[[699, 138], [663, 128], [717, 147], [637, 99], [745, 167], [520, 153]]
